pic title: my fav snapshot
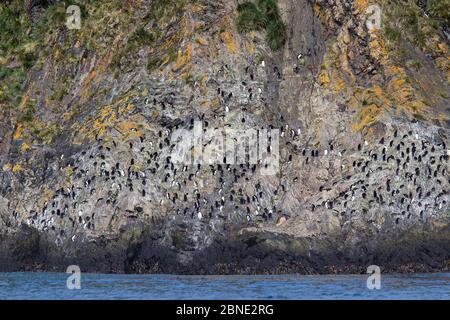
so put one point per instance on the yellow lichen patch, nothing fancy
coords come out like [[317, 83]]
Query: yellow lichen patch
[[392, 70], [338, 84], [24, 147], [100, 124], [324, 78], [105, 112], [7, 167], [249, 46], [360, 5], [46, 101], [133, 127], [444, 65], [215, 104], [17, 168], [230, 42], [126, 126], [135, 168], [18, 131], [97, 127], [126, 109], [68, 171], [23, 101], [171, 41], [183, 58], [335, 72], [205, 104], [391, 86], [324, 71], [67, 116], [316, 9], [184, 27], [102, 66], [46, 195], [201, 41], [442, 48], [403, 94], [87, 80], [203, 79], [377, 47], [186, 76], [371, 104], [366, 117]]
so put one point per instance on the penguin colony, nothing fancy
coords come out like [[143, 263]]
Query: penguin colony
[[416, 185]]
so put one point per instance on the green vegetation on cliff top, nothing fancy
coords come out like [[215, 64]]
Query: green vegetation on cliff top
[[264, 14], [416, 23]]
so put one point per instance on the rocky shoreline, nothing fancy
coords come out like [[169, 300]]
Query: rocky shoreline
[[416, 251]]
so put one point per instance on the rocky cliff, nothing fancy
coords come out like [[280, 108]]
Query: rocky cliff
[[88, 115]]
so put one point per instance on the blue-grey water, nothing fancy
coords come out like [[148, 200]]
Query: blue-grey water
[[28, 285]]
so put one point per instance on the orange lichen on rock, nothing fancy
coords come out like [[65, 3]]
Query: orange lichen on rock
[[183, 58], [68, 172], [389, 89], [230, 42], [442, 48], [86, 81], [443, 63], [201, 41], [360, 5], [339, 84], [403, 94], [324, 75], [24, 147], [96, 127], [366, 117], [377, 47], [24, 99], [324, 78], [17, 168], [100, 124], [125, 126], [7, 167], [249, 46], [316, 9], [215, 104], [18, 132], [371, 103], [101, 67], [46, 195], [126, 109]]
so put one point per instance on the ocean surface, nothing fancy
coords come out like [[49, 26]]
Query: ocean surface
[[28, 285]]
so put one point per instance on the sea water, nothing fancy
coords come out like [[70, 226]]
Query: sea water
[[29, 285]]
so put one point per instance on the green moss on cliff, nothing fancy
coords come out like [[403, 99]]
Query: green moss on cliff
[[16, 51], [249, 17], [440, 9], [407, 20], [264, 14]]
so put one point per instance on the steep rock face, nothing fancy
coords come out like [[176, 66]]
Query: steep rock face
[[89, 178]]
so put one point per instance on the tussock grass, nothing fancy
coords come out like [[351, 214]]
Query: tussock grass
[[249, 18], [406, 20], [264, 14], [276, 34], [440, 9]]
